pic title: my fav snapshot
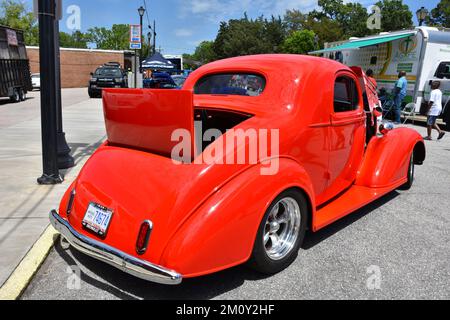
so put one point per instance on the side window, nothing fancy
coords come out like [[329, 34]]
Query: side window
[[345, 95], [443, 71]]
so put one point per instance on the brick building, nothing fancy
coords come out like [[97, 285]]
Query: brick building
[[77, 64]]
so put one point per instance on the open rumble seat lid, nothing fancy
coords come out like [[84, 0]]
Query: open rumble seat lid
[[146, 119]]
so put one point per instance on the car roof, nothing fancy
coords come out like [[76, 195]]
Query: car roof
[[284, 74]]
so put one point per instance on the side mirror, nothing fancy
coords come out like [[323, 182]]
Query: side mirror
[[91, 73]]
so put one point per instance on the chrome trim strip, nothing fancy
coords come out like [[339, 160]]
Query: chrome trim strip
[[125, 262]]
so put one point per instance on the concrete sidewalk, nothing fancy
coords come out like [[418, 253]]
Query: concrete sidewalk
[[24, 204]]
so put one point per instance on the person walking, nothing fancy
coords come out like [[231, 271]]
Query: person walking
[[434, 111], [400, 90]]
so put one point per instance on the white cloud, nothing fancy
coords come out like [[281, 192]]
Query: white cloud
[[201, 6], [183, 32], [219, 10]]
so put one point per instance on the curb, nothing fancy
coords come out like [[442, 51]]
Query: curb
[[27, 268]]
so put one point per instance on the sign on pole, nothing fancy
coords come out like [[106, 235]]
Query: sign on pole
[[135, 37], [135, 33], [135, 46]]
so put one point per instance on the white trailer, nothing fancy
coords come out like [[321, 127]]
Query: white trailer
[[424, 53]]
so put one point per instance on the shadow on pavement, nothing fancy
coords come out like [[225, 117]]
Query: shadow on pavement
[[312, 239], [124, 286]]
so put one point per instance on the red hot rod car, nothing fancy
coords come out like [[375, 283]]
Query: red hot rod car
[[163, 219]]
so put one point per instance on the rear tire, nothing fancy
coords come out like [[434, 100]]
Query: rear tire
[[411, 172], [22, 95], [280, 233], [15, 97]]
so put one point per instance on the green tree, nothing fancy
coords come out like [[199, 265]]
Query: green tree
[[352, 17], [440, 15], [204, 52], [246, 36], [116, 38], [300, 42], [74, 40], [295, 20], [395, 15], [14, 14], [325, 28], [239, 37]]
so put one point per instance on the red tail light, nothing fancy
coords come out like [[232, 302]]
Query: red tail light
[[143, 237], [70, 203]]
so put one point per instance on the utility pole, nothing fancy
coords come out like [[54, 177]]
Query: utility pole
[[47, 15], [154, 36], [65, 160]]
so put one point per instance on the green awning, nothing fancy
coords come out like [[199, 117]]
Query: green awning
[[357, 44]]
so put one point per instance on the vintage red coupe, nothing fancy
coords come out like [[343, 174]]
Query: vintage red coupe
[[149, 203]]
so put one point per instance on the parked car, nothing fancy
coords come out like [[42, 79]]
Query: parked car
[[15, 77], [164, 213], [108, 76], [160, 80], [36, 81]]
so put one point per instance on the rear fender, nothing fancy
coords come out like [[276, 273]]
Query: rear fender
[[387, 158], [221, 233]]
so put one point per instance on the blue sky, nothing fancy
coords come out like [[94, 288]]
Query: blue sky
[[182, 24]]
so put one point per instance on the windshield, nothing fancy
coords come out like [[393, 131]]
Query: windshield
[[240, 84], [108, 72]]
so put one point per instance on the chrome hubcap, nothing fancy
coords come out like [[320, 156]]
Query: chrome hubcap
[[281, 228]]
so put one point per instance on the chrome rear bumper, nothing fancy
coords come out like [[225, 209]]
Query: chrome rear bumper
[[125, 262]]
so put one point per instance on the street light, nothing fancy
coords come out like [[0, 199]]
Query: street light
[[422, 14], [141, 11]]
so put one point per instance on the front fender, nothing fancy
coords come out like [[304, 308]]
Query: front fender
[[221, 233], [387, 158]]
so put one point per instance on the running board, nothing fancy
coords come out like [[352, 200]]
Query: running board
[[355, 198]]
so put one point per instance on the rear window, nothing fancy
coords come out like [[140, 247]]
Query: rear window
[[238, 84]]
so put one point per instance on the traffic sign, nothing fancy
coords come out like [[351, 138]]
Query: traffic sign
[[136, 46], [135, 33]]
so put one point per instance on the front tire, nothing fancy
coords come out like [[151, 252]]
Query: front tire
[[280, 233]]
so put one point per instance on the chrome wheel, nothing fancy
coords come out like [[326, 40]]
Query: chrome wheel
[[282, 228]]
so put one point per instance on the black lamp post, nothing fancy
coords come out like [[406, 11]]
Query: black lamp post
[[49, 96], [422, 14], [141, 11]]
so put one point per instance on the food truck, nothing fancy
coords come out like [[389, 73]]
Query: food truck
[[423, 53]]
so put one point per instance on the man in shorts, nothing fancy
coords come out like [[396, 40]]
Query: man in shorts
[[435, 109]]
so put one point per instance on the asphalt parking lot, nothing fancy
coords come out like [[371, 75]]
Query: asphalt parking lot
[[395, 248]]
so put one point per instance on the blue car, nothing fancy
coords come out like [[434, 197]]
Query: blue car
[[160, 80]]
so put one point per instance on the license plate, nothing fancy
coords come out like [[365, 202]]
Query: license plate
[[97, 219]]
